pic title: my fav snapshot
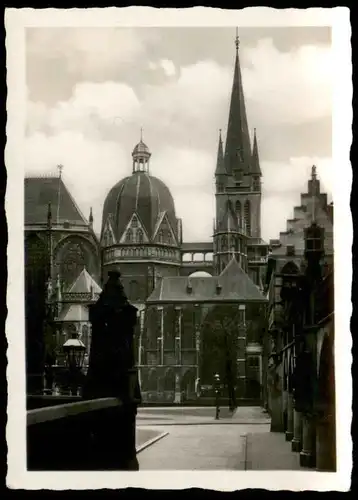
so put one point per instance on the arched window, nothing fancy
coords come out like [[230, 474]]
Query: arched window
[[129, 236], [238, 210], [224, 243], [139, 236], [160, 236], [134, 222], [134, 290], [170, 239], [247, 217]]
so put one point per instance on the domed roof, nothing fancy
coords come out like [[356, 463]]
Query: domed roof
[[144, 194], [140, 149]]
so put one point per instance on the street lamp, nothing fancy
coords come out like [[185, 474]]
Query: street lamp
[[75, 351], [217, 394]]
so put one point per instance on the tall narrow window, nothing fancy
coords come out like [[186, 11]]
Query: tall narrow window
[[247, 217], [134, 222], [129, 236], [238, 211], [224, 243], [139, 236], [160, 236], [134, 290]]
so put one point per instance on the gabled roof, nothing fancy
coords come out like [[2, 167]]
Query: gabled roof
[[74, 312], [40, 191], [233, 285], [84, 283], [229, 221]]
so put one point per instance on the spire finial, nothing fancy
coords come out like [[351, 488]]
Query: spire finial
[[141, 134], [237, 40], [314, 172]]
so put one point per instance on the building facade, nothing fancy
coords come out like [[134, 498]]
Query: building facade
[[299, 350]]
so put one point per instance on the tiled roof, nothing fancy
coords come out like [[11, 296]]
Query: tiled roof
[[144, 194], [199, 246], [40, 191], [233, 285]]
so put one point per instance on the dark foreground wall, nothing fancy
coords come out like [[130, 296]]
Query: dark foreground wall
[[87, 435]]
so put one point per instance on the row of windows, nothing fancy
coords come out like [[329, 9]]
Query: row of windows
[[143, 252]]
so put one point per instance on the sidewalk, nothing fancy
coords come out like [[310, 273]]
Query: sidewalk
[[270, 451]]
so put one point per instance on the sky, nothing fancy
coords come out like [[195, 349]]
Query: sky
[[90, 90]]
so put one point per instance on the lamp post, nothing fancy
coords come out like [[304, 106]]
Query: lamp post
[[75, 351], [217, 395]]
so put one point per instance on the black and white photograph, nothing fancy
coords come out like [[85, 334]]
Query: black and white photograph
[[180, 194]]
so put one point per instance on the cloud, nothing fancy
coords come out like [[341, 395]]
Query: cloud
[[168, 67], [288, 87], [94, 131], [90, 52]]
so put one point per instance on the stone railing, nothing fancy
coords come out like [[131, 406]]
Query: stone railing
[[96, 434]]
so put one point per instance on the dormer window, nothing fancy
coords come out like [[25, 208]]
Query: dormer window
[[160, 236]]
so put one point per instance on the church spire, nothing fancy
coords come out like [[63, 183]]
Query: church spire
[[255, 162], [237, 149], [220, 165]]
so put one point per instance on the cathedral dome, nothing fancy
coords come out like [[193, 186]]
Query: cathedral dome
[[141, 194]]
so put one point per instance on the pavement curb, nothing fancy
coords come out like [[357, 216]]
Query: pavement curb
[[150, 442]]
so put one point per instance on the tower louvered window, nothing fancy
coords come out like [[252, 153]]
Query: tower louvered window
[[247, 217], [238, 210]]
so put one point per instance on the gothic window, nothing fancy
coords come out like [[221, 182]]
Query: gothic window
[[247, 217], [129, 236], [134, 290], [224, 243], [139, 236], [220, 187], [170, 240], [238, 210], [72, 263], [160, 236], [134, 222]]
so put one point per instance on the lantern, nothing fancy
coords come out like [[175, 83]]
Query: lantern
[[75, 351]]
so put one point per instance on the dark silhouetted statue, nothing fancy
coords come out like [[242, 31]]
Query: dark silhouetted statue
[[112, 373]]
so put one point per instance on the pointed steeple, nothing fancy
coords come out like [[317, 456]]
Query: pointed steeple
[[90, 220], [255, 162], [237, 149], [220, 165]]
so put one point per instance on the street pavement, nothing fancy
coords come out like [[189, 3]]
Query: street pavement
[[196, 441]]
